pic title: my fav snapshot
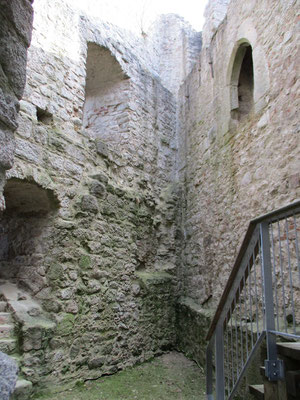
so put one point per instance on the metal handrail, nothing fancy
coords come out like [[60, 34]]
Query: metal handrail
[[250, 307]]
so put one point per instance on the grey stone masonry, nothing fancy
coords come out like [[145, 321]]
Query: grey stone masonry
[[8, 376], [16, 18]]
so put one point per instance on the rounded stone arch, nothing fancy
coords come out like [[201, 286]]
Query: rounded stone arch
[[247, 37], [241, 78], [26, 232], [105, 111]]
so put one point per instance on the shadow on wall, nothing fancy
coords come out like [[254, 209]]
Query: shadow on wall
[[24, 232]]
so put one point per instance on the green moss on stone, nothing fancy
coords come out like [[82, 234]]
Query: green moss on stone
[[85, 262], [65, 326], [55, 272]]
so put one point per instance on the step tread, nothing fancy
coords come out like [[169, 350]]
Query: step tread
[[5, 327], [5, 317], [258, 391], [289, 349], [6, 331], [8, 340]]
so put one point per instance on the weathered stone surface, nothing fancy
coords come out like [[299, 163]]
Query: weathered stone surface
[[96, 362], [192, 322], [89, 203], [15, 33], [154, 187], [20, 14], [8, 376], [243, 172], [7, 147], [97, 189]]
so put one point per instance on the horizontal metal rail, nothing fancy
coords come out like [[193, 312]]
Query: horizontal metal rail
[[259, 301]]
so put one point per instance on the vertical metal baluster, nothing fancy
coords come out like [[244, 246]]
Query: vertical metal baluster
[[241, 328], [231, 340], [256, 297], [262, 286], [245, 302], [273, 366], [274, 274], [281, 276], [290, 274], [297, 246], [220, 362], [225, 359], [209, 370], [250, 304], [236, 341], [228, 363]]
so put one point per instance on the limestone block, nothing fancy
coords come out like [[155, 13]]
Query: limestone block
[[8, 376], [20, 14], [89, 203], [7, 147], [8, 109], [101, 148], [13, 57], [97, 189], [28, 151]]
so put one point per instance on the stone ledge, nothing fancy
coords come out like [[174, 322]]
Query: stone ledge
[[195, 307], [192, 322], [153, 278]]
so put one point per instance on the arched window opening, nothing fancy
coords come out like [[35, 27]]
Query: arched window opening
[[242, 83], [105, 113]]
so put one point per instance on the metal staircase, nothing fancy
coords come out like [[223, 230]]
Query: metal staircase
[[260, 304]]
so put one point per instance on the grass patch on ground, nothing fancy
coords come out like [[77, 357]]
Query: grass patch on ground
[[169, 377]]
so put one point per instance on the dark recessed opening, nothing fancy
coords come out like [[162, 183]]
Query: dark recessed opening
[[245, 86], [26, 232], [105, 113], [28, 198], [242, 83], [44, 116]]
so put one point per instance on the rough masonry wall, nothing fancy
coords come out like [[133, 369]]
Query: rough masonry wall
[[236, 170], [104, 267], [15, 35], [175, 49]]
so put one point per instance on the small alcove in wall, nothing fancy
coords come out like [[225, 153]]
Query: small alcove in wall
[[242, 82], [25, 234], [105, 113]]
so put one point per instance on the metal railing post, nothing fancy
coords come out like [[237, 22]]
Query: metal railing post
[[209, 370], [273, 366], [220, 380]]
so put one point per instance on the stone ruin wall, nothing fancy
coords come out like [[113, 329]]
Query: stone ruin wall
[[174, 47], [104, 236], [15, 35], [235, 170], [96, 245]]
